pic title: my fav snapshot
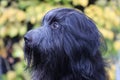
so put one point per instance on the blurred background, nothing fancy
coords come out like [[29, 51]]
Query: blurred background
[[19, 16]]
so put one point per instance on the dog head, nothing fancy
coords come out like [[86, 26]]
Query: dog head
[[65, 36]]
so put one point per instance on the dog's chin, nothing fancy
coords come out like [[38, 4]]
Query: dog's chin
[[32, 56], [28, 54]]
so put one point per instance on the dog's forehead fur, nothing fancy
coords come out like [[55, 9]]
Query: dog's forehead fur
[[60, 13]]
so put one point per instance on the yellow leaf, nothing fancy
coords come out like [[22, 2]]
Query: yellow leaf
[[3, 19], [107, 33], [22, 30], [117, 21], [111, 72], [112, 17], [11, 75], [20, 15], [96, 13], [117, 45], [12, 31], [84, 3], [33, 20], [108, 25], [3, 31]]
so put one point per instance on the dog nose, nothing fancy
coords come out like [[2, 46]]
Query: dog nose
[[27, 38]]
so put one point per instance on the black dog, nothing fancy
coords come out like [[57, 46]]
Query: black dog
[[66, 47]]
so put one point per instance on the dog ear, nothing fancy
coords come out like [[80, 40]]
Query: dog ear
[[82, 62], [83, 31], [79, 57], [83, 42], [84, 67]]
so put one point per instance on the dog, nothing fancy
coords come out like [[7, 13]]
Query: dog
[[65, 47]]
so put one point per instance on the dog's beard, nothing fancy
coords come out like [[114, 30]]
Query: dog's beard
[[28, 55], [32, 56]]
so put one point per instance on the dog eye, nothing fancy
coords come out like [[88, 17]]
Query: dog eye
[[55, 25]]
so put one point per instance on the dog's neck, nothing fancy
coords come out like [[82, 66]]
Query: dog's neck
[[52, 74], [39, 74]]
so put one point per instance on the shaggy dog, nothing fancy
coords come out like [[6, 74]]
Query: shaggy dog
[[65, 47]]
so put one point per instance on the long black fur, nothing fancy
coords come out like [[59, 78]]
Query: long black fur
[[65, 47]]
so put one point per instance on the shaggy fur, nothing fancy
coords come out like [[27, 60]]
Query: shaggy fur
[[65, 47]]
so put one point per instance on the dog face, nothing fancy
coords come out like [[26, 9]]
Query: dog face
[[65, 36]]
